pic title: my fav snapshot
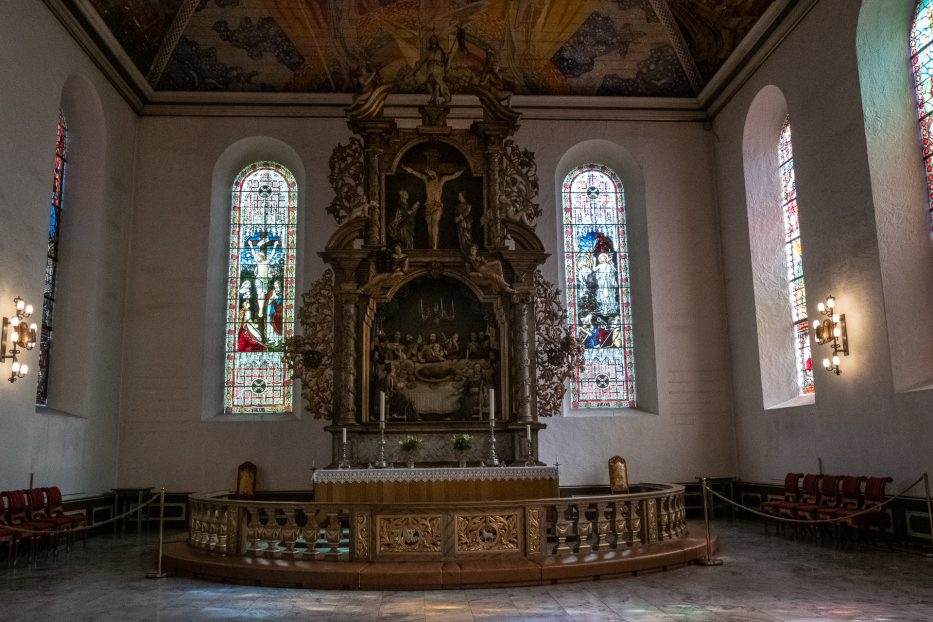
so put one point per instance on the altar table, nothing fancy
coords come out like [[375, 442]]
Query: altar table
[[435, 484]]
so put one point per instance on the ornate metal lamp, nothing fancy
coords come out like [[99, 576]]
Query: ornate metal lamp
[[21, 336], [831, 329]]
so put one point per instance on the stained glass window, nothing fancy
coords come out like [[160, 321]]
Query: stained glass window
[[51, 264], [794, 262], [260, 290], [599, 309], [921, 57]]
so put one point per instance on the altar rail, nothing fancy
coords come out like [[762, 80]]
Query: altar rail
[[533, 529]]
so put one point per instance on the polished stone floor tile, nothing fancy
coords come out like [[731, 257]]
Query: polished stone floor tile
[[764, 578]]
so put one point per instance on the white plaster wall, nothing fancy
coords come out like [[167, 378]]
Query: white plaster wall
[[858, 424], [167, 437], [898, 187], [690, 434], [73, 442], [164, 437]]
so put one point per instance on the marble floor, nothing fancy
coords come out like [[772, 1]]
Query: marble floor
[[763, 578]]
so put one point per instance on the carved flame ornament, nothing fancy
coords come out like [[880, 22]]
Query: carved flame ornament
[[557, 352], [346, 178], [518, 184], [310, 355]]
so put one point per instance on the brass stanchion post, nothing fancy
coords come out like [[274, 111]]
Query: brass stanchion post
[[710, 560], [158, 574]]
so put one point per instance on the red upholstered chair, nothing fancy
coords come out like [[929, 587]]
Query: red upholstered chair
[[17, 515], [8, 537], [53, 508], [828, 498], [850, 499], [36, 510], [874, 518], [809, 493], [791, 494]]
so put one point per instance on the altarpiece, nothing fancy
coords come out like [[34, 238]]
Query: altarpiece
[[432, 311]]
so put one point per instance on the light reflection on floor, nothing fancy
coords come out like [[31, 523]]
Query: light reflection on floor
[[764, 578]]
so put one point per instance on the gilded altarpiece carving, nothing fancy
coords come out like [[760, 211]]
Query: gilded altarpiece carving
[[435, 299]]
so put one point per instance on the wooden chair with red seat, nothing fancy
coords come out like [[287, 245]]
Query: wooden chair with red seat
[[791, 494], [809, 493], [17, 515], [873, 517], [829, 499], [851, 498], [53, 508], [36, 510], [8, 537]]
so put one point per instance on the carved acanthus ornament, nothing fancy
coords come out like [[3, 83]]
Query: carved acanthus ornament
[[557, 351], [414, 533], [347, 175], [518, 184], [487, 532], [310, 355]]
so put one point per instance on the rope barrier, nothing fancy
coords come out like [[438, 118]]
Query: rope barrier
[[815, 521], [89, 526]]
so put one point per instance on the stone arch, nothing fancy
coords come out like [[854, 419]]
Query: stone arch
[[899, 188], [81, 293], [776, 352]]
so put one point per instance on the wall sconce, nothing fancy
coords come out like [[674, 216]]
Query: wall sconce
[[831, 329], [21, 336]]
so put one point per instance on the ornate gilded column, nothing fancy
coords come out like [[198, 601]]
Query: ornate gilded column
[[374, 133], [523, 370], [492, 224], [347, 355], [374, 229]]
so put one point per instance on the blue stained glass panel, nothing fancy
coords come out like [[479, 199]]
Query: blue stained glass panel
[[260, 290], [793, 252], [51, 266], [598, 290], [921, 58]]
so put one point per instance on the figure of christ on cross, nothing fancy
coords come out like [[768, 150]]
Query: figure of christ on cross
[[433, 189]]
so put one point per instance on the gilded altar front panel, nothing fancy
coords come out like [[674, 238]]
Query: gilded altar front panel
[[488, 533], [409, 534]]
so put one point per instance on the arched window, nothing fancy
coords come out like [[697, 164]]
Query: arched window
[[921, 57], [599, 309], [794, 260], [260, 290], [51, 266]]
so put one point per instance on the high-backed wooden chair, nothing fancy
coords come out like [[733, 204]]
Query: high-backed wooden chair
[[8, 537], [36, 510], [875, 518], [53, 508], [618, 475], [851, 498], [828, 500], [17, 515], [791, 494], [246, 481]]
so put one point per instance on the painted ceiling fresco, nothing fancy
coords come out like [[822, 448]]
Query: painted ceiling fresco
[[664, 48]]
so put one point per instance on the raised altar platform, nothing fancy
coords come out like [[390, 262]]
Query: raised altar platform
[[435, 484], [433, 545]]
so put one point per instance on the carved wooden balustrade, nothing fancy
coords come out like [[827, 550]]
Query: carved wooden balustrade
[[534, 528]]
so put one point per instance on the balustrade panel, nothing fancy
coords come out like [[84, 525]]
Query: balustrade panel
[[309, 531]]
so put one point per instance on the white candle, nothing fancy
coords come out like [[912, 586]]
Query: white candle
[[492, 405], [344, 436], [528, 431], [382, 409]]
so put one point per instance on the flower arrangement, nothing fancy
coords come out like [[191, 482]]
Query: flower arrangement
[[410, 443], [461, 442]]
